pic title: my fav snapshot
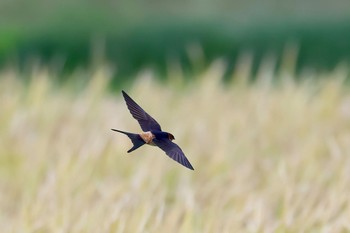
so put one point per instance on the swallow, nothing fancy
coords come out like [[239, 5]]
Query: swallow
[[152, 134]]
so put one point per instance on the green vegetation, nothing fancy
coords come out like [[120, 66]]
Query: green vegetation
[[137, 35], [268, 158]]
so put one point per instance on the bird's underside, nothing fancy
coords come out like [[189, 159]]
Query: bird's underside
[[148, 137]]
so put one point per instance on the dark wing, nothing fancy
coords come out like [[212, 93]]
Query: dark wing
[[146, 122], [173, 151]]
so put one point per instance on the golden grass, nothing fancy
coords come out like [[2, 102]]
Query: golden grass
[[267, 158]]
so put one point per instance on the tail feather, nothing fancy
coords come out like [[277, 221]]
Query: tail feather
[[135, 139]]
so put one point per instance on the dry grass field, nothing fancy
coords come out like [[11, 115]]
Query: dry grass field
[[267, 157]]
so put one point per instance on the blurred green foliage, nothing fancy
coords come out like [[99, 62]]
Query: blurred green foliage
[[134, 35]]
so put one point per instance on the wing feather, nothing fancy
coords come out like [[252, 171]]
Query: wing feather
[[173, 151], [146, 122]]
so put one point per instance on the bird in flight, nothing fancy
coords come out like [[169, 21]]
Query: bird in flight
[[152, 134]]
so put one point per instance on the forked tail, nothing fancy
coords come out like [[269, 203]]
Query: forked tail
[[135, 139]]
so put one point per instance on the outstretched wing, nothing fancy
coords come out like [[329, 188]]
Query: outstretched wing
[[173, 151], [146, 122]]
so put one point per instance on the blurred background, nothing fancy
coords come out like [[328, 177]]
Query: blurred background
[[255, 92], [133, 35]]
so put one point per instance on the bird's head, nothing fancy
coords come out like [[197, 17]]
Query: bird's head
[[171, 137]]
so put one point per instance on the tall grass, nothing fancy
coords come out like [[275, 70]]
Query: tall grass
[[267, 158]]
